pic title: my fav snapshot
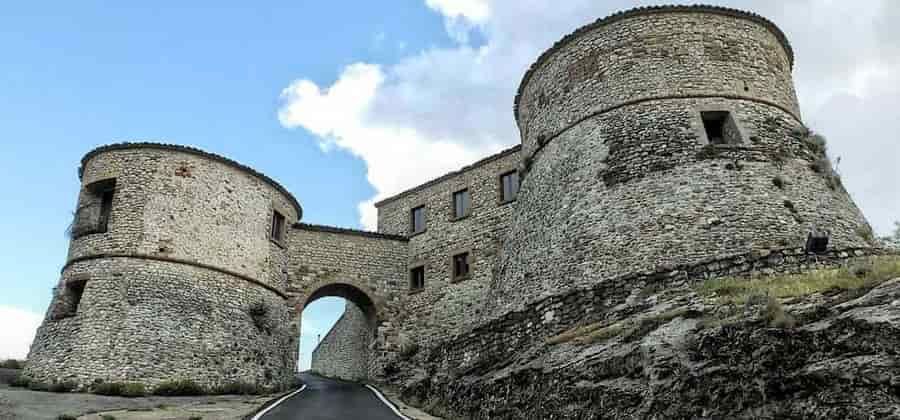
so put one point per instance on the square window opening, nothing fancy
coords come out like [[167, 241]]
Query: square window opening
[[277, 230], [462, 204], [460, 266], [417, 219], [69, 299], [417, 278], [720, 127], [94, 209], [509, 186]]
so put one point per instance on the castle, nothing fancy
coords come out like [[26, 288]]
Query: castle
[[658, 145]]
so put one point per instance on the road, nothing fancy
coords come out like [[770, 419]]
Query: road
[[326, 399]]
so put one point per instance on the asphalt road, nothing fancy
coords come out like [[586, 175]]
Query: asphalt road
[[326, 399]]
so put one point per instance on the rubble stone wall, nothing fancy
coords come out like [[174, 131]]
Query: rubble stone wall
[[343, 352]]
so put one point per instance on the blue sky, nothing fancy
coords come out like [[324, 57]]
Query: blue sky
[[332, 99]]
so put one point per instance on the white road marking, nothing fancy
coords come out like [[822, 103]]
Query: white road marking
[[386, 402], [281, 400]]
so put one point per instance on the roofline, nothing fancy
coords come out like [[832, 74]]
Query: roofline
[[346, 231], [194, 151], [420, 187], [649, 10]]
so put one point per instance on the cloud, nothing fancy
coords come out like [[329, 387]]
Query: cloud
[[442, 107], [17, 328]]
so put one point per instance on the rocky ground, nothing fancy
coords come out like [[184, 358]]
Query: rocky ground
[[825, 347], [18, 403]]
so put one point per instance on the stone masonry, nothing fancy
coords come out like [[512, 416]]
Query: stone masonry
[[343, 352], [659, 145]]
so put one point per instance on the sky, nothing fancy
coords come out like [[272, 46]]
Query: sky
[[333, 98]]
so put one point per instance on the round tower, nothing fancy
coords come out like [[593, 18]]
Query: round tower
[[176, 270], [660, 139]]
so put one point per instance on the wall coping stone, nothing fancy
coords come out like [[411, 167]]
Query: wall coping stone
[[348, 231], [449, 175], [643, 11], [175, 261], [193, 151]]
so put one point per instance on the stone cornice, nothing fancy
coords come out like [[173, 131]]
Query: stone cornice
[[649, 10], [193, 151], [175, 261], [346, 231]]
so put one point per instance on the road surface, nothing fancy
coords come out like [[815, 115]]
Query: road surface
[[326, 399]]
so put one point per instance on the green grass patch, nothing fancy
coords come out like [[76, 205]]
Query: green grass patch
[[860, 275]]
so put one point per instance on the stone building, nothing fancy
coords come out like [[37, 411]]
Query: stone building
[[656, 144]]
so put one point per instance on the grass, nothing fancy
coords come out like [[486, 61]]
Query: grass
[[181, 387], [629, 328], [122, 389], [739, 290]]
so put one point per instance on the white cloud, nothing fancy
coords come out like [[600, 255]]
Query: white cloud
[[449, 106], [17, 328]]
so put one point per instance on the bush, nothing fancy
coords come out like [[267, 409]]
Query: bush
[[775, 315], [12, 364], [38, 386], [20, 381], [121, 389], [181, 387], [66, 417], [107, 417], [239, 388], [64, 386]]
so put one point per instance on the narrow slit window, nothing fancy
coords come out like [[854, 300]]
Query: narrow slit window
[[460, 266], [417, 219], [462, 204], [417, 278], [509, 186], [277, 231], [94, 209], [69, 299]]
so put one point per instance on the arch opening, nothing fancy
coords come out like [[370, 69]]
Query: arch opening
[[338, 325]]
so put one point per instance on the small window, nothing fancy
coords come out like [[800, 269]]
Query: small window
[[462, 204], [417, 219], [417, 278], [277, 232], [95, 208], [509, 186], [720, 127], [460, 266], [69, 299]]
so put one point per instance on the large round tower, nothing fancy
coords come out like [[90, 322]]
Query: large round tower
[[176, 269], [662, 138]]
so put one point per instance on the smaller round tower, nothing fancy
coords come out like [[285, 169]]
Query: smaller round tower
[[176, 269], [662, 138]]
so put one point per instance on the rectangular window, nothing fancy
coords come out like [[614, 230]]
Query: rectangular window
[[68, 299], [417, 219], [417, 278], [277, 232], [460, 266], [720, 127], [94, 208], [509, 186], [462, 204]]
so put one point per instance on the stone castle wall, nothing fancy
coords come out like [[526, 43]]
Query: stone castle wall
[[343, 352], [444, 306]]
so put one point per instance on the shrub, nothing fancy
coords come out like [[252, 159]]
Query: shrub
[[133, 389], [20, 381], [195, 418], [12, 364], [107, 417], [181, 387], [66, 417], [239, 388], [64, 386], [122, 389], [775, 315]]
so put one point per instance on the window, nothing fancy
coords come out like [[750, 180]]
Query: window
[[462, 204], [509, 186], [720, 127], [94, 209], [417, 219], [460, 266], [277, 232], [417, 278], [69, 299]]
